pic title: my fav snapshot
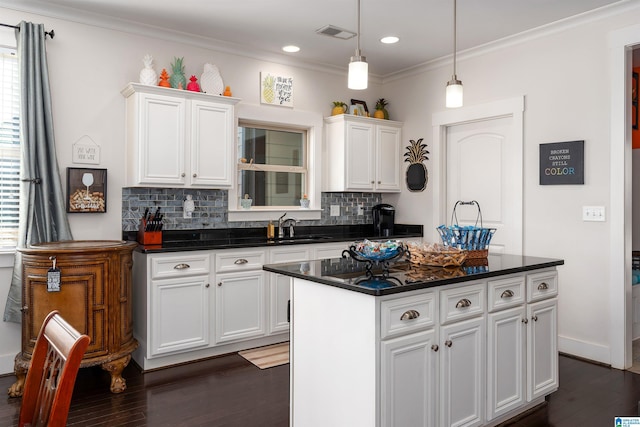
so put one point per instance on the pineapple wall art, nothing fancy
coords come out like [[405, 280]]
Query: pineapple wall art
[[276, 90], [417, 174]]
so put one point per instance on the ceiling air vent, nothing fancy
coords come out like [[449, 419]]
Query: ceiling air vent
[[336, 32]]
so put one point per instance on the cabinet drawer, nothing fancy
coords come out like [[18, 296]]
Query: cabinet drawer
[[505, 293], [408, 314], [542, 285], [462, 302], [178, 266], [240, 260]]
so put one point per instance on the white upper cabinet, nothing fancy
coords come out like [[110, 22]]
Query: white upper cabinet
[[363, 154], [179, 138]]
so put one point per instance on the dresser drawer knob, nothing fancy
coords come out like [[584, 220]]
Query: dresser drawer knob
[[507, 294], [543, 286], [463, 303], [410, 314], [241, 261], [182, 266]]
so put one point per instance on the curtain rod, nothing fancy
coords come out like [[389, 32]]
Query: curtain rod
[[46, 33]]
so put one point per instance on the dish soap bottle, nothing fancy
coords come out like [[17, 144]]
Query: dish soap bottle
[[271, 230]]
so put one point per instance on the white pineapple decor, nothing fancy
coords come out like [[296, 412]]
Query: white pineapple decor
[[211, 80], [148, 75]]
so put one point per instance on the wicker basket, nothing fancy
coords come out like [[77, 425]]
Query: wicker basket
[[436, 255], [472, 239]]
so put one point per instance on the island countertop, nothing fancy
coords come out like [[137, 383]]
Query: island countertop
[[402, 276]]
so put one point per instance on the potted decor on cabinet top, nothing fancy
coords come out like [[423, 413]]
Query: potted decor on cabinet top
[[381, 111]]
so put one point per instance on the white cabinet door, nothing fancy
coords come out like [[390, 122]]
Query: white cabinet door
[[360, 154], [159, 155], [240, 302], [388, 159], [408, 380], [211, 136], [506, 337], [179, 315], [542, 348], [462, 373], [279, 287]]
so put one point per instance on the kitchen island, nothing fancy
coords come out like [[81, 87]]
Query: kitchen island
[[421, 346]]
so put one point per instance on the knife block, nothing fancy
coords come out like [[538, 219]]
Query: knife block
[[148, 237]]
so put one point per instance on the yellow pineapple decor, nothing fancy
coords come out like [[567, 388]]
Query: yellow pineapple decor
[[339, 107], [269, 89]]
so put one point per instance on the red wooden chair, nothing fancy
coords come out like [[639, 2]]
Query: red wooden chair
[[52, 373]]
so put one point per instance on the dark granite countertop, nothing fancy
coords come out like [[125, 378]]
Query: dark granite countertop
[[403, 276], [231, 238]]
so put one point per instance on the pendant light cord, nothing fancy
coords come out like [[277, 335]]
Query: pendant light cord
[[358, 40], [455, 44]]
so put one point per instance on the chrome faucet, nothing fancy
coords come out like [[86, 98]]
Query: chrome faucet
[[283, 222]]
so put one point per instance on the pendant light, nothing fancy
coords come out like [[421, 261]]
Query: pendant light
[[358, 67], [454, 86]]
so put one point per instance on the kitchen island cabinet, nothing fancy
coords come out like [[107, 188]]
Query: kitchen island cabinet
[[409, 347]]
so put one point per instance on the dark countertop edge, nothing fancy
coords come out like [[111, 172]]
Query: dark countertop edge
[[273, 268], [149, 249]]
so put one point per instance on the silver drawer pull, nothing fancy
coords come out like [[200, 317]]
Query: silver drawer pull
[[525, 320], [241, 261], [507, 294], [410, 314], [181, 266], [543, 286], [463, 303], [534, 318], [448, 343], [435, 347]]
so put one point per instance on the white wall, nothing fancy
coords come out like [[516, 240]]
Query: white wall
[[563, 76]]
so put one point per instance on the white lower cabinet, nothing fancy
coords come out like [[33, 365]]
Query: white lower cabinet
[[408, 380], [462, 372], [240, 306], [542, 348]]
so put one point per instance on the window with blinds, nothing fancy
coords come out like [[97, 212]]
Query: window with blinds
[[9, 147]]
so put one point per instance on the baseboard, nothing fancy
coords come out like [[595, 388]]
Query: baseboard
[[590, 351]]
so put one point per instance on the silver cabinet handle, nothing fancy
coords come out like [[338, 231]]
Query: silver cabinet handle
[[207, 285], [543, 286], [463, 303], [240, 261], [219, 283], [534, 318], [448, 343], [507, 294], [525, 320], [379, 182], [195, 175], [181, 266], [410, 314], [183, 174], [435, 347]]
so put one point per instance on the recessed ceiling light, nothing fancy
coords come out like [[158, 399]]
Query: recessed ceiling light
[[291, 49], [389, 40]]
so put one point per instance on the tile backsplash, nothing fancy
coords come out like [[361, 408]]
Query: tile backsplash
[[212, 207]]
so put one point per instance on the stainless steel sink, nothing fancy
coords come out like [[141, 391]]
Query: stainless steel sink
[[302, 239]]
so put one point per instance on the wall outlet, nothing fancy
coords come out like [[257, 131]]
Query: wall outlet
[[593, 213], [360, 210], [335, 210]]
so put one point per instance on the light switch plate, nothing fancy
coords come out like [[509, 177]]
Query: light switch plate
[[593, 213], [335, 210]]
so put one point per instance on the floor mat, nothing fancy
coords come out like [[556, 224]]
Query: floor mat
[[268, 356]]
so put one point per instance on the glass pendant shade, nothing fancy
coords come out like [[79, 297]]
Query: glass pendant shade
[[358, 73], [454, 93]]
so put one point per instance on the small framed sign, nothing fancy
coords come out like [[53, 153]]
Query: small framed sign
[[276, 90], [562, 163], [86, 190]]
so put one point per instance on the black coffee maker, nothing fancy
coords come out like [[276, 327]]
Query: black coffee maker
[[383, 219]]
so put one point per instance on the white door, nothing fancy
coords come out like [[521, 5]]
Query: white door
[[484, 163]]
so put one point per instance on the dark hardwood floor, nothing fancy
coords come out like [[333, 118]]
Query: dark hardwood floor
[[229, 391]]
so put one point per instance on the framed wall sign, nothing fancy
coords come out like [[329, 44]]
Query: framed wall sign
[[562, 163], [86, 190], [276, 90]]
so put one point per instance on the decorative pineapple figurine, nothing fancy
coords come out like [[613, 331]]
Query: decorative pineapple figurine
[[417, 174], [148, 75], [339, 107], [269, 89], [164, 79], [193, 85], [381, 112], [177, 79], [211, 80]]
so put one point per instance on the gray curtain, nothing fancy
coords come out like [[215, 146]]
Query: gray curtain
[[42, 205]]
